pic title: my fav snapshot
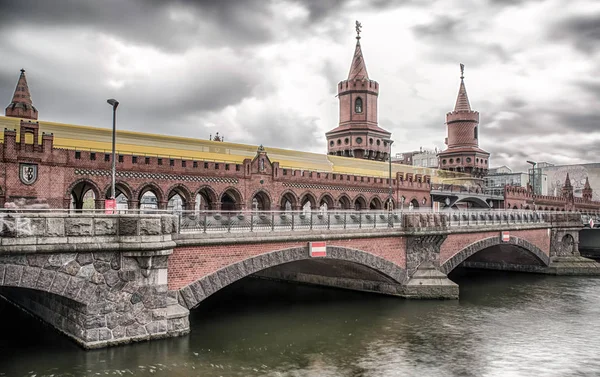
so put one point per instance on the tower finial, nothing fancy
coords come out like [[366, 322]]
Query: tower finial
[[462, 71], [22, 70], [358, 29]]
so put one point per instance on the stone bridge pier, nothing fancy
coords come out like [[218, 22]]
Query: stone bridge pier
[[99, 279]]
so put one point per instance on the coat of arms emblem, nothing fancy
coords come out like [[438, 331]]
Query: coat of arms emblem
[[28, 173]]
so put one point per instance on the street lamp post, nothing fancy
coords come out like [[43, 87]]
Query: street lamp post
[[114, 103], [390, 193], [533, 164]]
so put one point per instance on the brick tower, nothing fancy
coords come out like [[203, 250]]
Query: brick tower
[[587, 192], [21, 105], [463, 153], [358, 134]]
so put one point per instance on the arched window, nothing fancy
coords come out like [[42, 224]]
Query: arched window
[[475, 132], [358, 106]]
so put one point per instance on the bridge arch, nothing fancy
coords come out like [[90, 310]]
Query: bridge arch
[[326, 199], [344, 201], [150, 196], [79, 189], [474, 201], [288, 201], [478, 246], [205, 198], [181, 191], [121, 187], [199, 290], [231, 199], [260, 201], [375, 203], [308, 197], [360, 203]]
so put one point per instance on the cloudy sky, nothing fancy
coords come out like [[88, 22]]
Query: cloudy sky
[[261, 71]]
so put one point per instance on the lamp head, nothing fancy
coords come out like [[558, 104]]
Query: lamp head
[[113, 102], [531, 162]]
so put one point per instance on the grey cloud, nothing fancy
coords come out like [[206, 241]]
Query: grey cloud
[[450, 38], [582, 30], [150, 22]]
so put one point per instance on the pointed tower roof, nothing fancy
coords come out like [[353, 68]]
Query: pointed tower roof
[[22, 94], [462, 101], [358, 69], [21, 105], [567, 181], [587, 184]]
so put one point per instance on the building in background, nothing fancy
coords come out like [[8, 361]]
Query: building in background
[[405, 158], [578, 174], [501, 176], [426, 159]]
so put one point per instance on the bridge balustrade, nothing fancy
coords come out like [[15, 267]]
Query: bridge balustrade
[[210, 222]]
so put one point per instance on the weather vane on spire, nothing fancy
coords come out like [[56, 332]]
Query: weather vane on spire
[[462, 71], [358, 27]]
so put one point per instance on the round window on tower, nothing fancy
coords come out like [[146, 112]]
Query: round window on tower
[[371, 141], [331, 143], [339, 142], [378, 142], [458, 160], [451, 160], [359, 140], [444, 162], [469, 159], [346, 141], [476, 160]]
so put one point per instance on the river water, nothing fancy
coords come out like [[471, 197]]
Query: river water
[[505, 324]]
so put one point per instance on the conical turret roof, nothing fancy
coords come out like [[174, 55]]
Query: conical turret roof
[[22, 94], [462, 101], [21, 105], [358, 69]]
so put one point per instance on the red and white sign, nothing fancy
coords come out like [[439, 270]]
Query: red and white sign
[[317, 249], [109, 206], [505, 236], [591, 222]]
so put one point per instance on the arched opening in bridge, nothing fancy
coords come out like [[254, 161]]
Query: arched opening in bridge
[[122, 196], [230, 201], [261, 202], [414, 204], [345, 202], [51, 308], [340, 269], [83, 196], [205, 197], [148, 202], [375, 204], [360, 204], [175, 204], [495, 254], [308, 202], [178, 199], [326, 203], [288, 202]]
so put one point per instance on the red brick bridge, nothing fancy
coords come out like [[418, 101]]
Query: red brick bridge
[[110, 279]]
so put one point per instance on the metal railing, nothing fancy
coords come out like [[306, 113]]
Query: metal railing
[[241, 221], [273, 221]]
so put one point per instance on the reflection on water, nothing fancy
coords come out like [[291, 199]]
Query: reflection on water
[[505, 324]]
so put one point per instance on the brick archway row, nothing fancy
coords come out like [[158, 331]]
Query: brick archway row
[[199, 290], [475, 247], [343, 200]]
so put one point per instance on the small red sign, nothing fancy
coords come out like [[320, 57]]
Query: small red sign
[[591, 222], [317, 249], [109, 206], [505, 236]]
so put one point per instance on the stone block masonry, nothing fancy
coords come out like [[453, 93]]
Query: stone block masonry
[[101, 280]]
